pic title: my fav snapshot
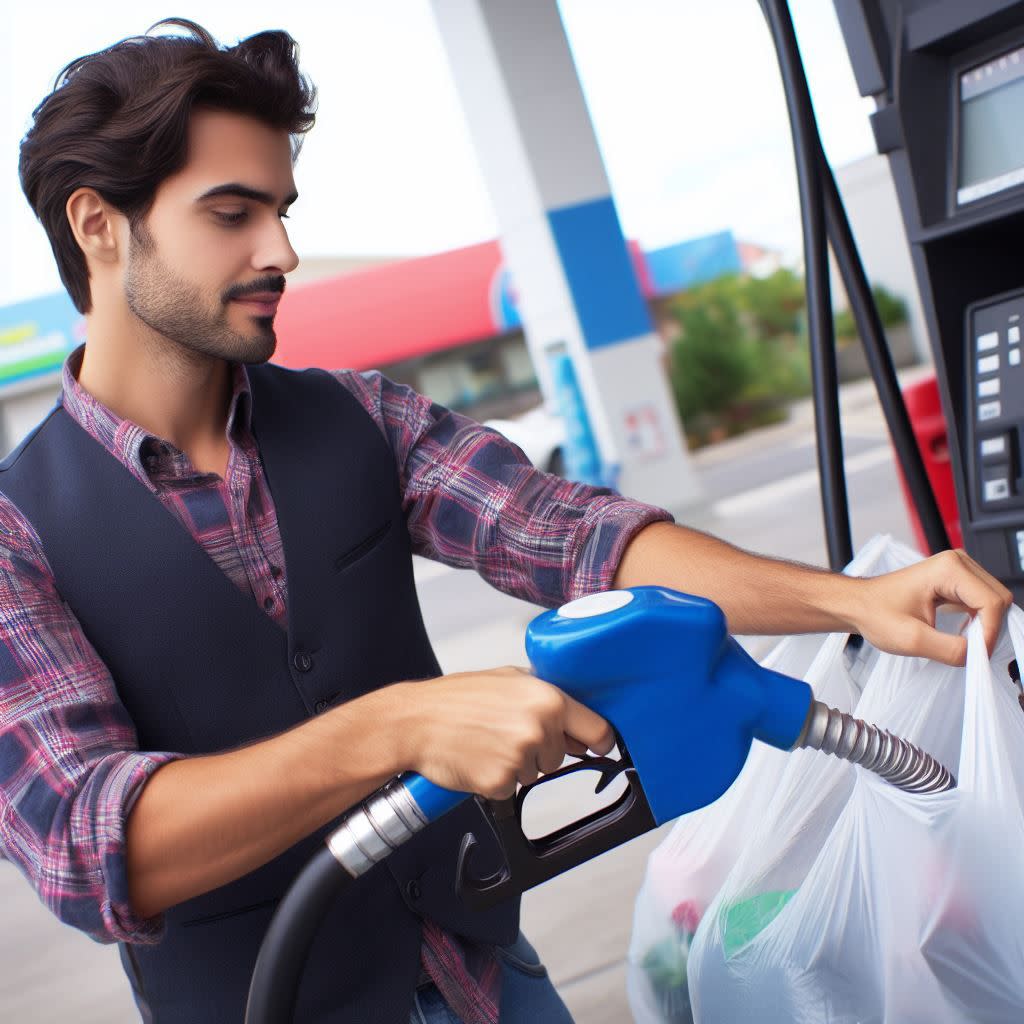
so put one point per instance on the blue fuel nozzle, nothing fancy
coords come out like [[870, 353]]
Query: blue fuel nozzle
[[686, 702], [685, 699]]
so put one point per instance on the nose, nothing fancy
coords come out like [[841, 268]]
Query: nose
[[274, 252]]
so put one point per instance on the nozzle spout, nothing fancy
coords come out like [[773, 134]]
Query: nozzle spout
[[894, 759]]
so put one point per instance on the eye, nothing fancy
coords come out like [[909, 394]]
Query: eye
[[283, 216], [230, 219]]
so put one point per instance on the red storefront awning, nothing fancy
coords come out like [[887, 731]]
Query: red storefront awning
[[386, 314]]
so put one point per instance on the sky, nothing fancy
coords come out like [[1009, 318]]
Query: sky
[[684, 96]]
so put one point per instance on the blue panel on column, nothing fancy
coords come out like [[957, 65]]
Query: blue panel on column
[[600, 274]]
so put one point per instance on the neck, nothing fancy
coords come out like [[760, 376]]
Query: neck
[[171, 392]]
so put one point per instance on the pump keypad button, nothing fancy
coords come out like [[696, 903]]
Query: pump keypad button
[[997, 490], [994, 449]]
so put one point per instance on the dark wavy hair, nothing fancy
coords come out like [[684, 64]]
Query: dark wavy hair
[[117, 121]]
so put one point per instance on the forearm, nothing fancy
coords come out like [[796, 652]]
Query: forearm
[[757, 594], [202, 822]]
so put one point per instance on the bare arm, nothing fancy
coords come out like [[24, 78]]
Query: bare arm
[[202, 822], [895, 611], [758, 595]]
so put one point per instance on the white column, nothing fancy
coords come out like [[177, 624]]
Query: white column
[[561, 236]]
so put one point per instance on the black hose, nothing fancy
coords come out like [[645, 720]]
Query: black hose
[[806, 149], [869, 328], [282, 957]]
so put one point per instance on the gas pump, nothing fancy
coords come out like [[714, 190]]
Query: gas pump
[[948, 81]]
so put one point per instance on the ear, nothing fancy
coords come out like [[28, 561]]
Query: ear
[[95, 224]]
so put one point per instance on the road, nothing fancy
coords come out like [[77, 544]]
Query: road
[[760, 493]]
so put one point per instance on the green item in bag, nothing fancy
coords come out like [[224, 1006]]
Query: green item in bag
[[665, 964], [747, 919]]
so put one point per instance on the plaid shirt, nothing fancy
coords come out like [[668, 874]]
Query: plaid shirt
[[70, 767]]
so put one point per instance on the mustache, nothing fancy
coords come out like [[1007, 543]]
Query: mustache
[[259, 286]]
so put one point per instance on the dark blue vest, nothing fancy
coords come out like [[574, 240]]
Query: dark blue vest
[[201, 668]]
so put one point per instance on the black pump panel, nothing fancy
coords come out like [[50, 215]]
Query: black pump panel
[[948, 79]]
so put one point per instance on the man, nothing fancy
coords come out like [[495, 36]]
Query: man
[[211, 640]]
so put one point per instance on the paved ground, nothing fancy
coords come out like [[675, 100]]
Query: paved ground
[[761, 494]]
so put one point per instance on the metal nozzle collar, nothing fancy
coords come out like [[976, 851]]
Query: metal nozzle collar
[[377, 826]]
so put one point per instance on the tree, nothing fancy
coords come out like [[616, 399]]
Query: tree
[[711, 363]]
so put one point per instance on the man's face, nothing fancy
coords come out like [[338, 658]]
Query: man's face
[[206, 267]]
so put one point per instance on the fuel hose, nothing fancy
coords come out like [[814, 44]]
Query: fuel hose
[[366, 835], [282, 957]]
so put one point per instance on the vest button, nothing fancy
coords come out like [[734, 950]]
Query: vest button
[[320, 707], [413, 891], [302, 661]]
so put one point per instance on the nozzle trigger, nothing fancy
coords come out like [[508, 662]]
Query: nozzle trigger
[[528, 862]]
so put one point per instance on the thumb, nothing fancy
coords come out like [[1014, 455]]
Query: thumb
[[929, 642]]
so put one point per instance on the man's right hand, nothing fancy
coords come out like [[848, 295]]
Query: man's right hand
[[484, 732], [201, 822]]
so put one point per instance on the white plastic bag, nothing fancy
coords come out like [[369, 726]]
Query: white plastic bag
[[686, 870], [856, 902]]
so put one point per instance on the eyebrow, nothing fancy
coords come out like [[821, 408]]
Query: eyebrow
[[241, 191]]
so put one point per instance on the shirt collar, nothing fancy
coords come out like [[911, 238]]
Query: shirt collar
[[144, 454]]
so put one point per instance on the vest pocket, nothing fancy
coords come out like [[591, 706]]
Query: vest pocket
[[364, 547], [227, 914], [521, 956]]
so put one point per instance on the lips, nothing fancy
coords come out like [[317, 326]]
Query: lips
[[260, 304]]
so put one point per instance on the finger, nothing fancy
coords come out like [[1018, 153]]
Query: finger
[[1003, 593], [574, 747], [552, 756], [953, 579], [979, 570], [927, 642], [588, 727], [528, 773], [975, 592], [547, 767]]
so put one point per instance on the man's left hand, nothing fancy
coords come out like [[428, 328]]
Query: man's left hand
[[896, 612]]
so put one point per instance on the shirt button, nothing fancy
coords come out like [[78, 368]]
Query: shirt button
[[413, 891], [268, 603], [302, 661], [320, 707], [276, 571]]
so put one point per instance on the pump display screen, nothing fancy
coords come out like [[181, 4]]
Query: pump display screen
[[991, 156]]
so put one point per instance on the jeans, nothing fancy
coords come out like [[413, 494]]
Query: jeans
[[527, 995]]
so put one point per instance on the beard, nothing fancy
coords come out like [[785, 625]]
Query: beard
[[188, 317]]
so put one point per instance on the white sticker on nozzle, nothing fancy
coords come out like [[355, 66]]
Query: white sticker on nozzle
[[596, 604]]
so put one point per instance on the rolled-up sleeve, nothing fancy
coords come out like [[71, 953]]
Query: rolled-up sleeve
[[473, 500], [70, 768]]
